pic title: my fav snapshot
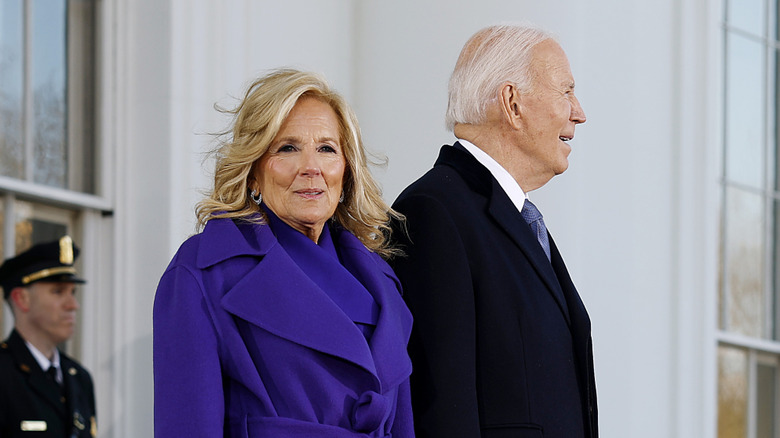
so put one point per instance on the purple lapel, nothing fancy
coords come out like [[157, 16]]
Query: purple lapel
[[388, 343], [223, 239], [320, 262], [278, 297]]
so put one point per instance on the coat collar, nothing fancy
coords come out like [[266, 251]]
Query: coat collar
[[223, 239], [504, 212], [277, 296], [35, 376], [393, 328]]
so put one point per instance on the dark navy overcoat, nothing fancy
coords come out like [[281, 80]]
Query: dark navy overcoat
[[501, 344]]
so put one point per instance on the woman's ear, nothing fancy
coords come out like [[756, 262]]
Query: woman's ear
[[251, 180]]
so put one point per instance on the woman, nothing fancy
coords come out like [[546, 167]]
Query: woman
[[280, 318]]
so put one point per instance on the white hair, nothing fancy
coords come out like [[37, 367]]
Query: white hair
[[491, 57]]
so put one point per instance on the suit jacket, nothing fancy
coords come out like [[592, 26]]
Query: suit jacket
[[31, 400], [246, 345], [501, 345]]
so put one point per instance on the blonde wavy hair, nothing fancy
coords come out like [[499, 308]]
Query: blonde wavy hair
[[256, 122]]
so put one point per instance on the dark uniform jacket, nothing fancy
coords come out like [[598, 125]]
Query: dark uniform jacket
[[501, 342], [31, 401]]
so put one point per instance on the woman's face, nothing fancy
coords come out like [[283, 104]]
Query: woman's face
[[302, 173]]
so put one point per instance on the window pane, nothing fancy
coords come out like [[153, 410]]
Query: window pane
[[82, 80], [49, 91], [744, 306], [747, 15], [775, 141], [11, 89], [732, 393], [766, 403], [37, 223], [775, 303], [745, 94]]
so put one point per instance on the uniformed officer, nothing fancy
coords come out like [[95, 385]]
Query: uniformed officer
[[43, 392]]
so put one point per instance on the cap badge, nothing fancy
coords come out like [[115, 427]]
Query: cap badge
[[66, 250]]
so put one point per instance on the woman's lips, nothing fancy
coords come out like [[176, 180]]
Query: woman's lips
[[309, 193]]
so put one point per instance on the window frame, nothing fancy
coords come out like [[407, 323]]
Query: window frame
[[91, 225], [766, 348], [79, 100]]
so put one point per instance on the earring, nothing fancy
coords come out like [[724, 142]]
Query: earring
[[341, 199], [257, 198]]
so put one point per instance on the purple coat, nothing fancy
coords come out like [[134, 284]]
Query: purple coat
[[246, 345]]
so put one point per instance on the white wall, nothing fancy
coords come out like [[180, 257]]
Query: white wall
[[173, 60], [614, 211], [633, 215]]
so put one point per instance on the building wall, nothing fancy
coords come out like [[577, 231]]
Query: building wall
[[635, 215]]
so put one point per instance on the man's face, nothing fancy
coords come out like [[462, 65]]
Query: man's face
[[52, 310], [551, 111]]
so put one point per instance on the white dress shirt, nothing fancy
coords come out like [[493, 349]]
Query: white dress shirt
[[44, 361], [505, 180]]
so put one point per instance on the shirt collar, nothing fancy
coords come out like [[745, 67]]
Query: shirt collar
[[505, 180], [44, 361]]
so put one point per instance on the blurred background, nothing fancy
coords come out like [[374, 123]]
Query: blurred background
[[668, 216]]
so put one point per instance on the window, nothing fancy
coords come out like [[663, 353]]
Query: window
[[26, 223], [48, 147], [47, 94], [749, 286]]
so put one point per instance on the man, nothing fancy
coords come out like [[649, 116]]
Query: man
[[43, 392], [501, 344]]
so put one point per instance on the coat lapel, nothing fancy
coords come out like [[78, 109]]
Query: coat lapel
[[507, 216], [579, 315], [225, 238], [278, 297], [503, 211], [388, 343], [35, 376]]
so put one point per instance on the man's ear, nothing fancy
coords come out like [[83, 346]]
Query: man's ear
[[511, 104], [20, 296]]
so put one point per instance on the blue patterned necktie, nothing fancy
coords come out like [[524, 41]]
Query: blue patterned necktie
[[534, 218]]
